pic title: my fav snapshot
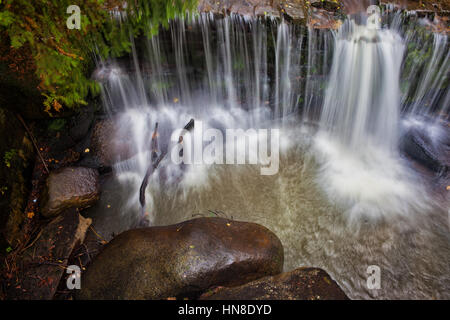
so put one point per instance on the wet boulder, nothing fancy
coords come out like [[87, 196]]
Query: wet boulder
[[111, 143], [182, 260], [431, 152], [300, 284], [71, 187]]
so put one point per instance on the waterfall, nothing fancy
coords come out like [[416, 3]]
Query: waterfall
[[320, 46], [431, 85], [362, 102], [241, 72], [361, 169], [346, 195]]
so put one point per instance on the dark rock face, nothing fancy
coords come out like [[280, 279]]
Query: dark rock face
[[110, 144], [80, 124], [16, 164], [433, 154], [300, 284], [42, 265], [71, 187], [182, 260]]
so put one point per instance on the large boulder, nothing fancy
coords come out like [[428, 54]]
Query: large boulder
[[431, 152], [300, 284], [71, 187], [182, 260]]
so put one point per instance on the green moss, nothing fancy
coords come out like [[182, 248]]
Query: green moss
[[57, 124], [9, 156]]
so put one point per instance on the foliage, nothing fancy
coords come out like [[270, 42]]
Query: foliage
[[8, 157], [57, 124], [64, 57]]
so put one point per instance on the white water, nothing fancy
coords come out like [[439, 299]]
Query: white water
[[349, 171], [360, 123]]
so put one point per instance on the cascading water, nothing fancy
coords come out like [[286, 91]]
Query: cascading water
[[339, 153], [360, 124], [436, 74], [362, 101]]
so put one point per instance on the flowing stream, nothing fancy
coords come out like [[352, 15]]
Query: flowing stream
[[345, 198]]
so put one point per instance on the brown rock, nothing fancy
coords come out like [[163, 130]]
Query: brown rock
[[43, 264], [182, 260], [327, 5], [300, 284], [294, 10], [71, 187]]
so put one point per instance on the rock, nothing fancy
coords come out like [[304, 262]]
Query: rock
[[71, 187], [300, 284], [81, 123], [266, 10], [433, 154], [294, 10], [182, 260], [16, 164], [326, 5], [432, 5], [43, 264], [110, 143]]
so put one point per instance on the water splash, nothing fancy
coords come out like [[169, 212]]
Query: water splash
[[358, 142], [247, 72], [238, 72]]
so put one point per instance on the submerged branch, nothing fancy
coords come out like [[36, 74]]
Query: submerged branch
[[157, 160]]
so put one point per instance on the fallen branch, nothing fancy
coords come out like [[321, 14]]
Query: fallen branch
[[157, 160]]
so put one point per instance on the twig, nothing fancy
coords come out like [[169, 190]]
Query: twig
[[34, 141], [97, 234], [33, 242]]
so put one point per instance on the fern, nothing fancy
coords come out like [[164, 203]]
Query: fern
[[63, 57]]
